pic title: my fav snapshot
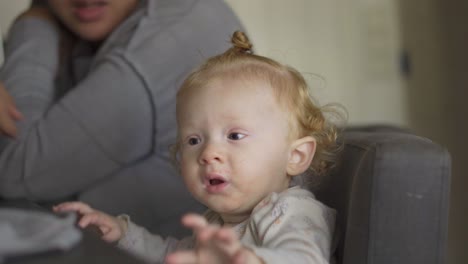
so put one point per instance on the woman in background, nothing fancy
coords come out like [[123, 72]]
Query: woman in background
[[87, 102]]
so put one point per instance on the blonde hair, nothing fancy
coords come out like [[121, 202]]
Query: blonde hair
[[289, 87]]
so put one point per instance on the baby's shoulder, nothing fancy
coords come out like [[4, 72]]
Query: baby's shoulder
[[293, 201]]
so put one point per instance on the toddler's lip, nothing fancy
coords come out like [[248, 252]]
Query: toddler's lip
[[215, 183], [213, 178]]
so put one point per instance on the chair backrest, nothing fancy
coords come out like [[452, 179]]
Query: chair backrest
[[391, 191]]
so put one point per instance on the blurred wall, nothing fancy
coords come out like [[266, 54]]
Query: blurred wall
[[435, 35], [9, 10], [352, 44]]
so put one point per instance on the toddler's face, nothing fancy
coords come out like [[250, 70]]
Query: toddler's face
[[235, 145], [92, 20]]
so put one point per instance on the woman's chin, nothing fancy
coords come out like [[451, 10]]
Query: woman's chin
[[93, 33]]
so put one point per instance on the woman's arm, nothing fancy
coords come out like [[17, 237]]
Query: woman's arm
[[31, 64], [64, 145]]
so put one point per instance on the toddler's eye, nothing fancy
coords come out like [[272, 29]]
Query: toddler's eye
[[193, 141], [236, 136]]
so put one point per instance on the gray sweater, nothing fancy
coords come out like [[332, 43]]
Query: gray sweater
[[100, 127]]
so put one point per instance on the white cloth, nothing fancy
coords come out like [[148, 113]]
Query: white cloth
[[27, 232]]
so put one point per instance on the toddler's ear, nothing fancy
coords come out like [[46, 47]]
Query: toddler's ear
[[301, 155]]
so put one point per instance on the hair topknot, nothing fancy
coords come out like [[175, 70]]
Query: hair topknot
[[241, 43]]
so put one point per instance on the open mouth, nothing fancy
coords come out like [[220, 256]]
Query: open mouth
[[216, 181], [215, 184]]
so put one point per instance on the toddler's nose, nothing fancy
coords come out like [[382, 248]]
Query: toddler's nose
[[211, 153]]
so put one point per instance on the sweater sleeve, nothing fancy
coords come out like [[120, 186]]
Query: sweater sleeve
[[31, 65], [292, 229], [65, 145], [142, 243]]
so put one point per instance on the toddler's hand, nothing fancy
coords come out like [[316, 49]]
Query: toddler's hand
[[215, 245], [111, 227]]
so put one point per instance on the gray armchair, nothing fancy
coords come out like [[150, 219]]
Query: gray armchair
[[391, 192]]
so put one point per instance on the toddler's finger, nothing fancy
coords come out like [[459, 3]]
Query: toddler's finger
[[105, 229], [112, 235], [60, 207], [240, 257], [179, 257], [226, 235], [79, 207], [98, 223], [227, 240], [207, 233], [85, 220], [194, 221], [93, 218]]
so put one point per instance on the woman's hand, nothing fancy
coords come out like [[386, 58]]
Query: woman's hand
[[9, 114], [215, 245], [111, 227]]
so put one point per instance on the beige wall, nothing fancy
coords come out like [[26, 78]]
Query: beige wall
[[352, 44], [9, 10]]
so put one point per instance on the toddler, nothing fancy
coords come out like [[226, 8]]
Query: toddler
[[247, 126]]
